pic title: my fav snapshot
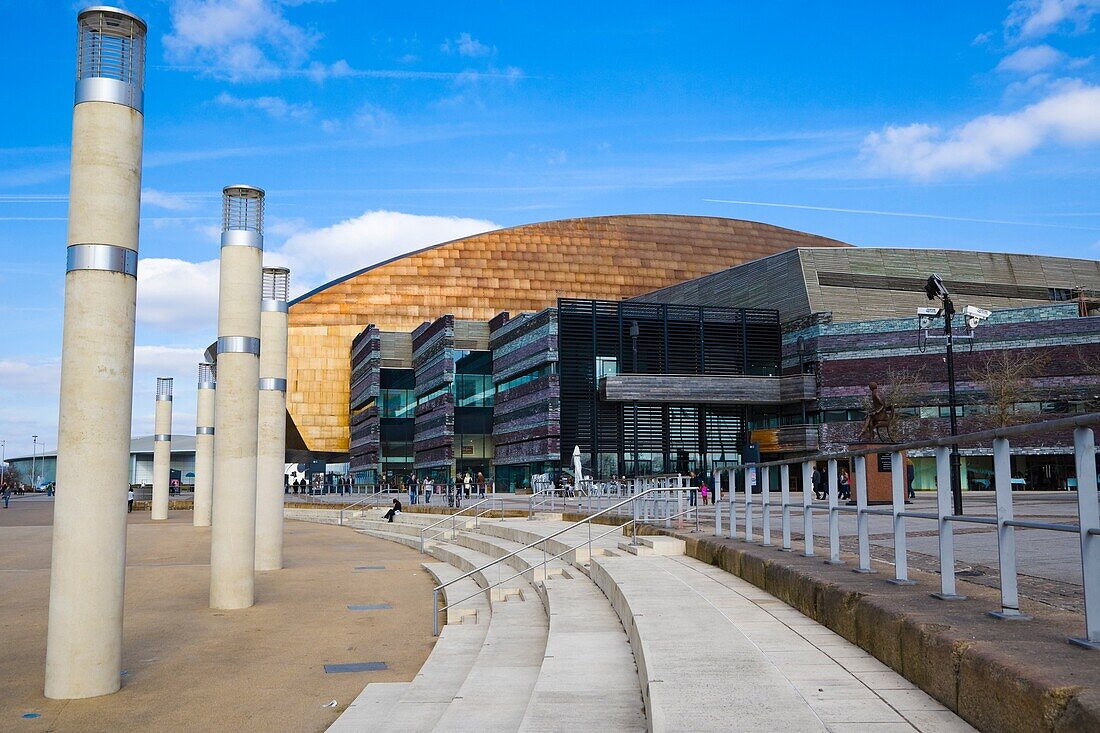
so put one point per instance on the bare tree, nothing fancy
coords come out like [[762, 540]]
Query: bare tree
[[1006, 378]]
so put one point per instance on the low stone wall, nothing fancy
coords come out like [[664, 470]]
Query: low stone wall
[[999, 676]]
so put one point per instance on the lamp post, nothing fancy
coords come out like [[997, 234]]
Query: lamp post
[[934, 288], [34, 455], [634, 330]]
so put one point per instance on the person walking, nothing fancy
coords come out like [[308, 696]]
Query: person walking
[[394, 511], [844, 486], [910, 478], [817, 481], [7, 495], [467, 482], [693, 482], [410, 484], [429, 487], [480, 485], [130, 500], [704, 491]]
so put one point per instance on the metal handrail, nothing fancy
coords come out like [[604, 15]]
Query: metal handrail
[[545, 561], [531, 499], [587, 520], [350, 506], [451, 518], [1087, 526]]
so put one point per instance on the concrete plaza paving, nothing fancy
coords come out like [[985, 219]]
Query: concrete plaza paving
[[188, 668]]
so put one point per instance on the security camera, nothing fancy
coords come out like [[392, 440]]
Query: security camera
[[973, 311], [925, 316], [935, 288]]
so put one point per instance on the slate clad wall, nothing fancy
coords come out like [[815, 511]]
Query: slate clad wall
[[526, 418]]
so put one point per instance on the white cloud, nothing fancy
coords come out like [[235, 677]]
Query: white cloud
[[1069, 116], [318, 255], [177, 296], [1037, 18], [275, 107], [236, 40], [468, 46], [164, 200], [1031, 59]]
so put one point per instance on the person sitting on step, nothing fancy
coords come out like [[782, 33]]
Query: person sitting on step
[[394, 510]]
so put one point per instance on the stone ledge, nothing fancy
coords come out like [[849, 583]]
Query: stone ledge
[[1015, 677]]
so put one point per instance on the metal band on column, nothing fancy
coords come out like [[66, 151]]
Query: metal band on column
[[267, 305], [238, 345], [162, 438], [204, 431], [272, 384], [101, 257]]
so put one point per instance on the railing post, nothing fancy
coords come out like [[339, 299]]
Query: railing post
[[1006, 533], [897, 506], [807, 509], [749, 471], [1088, 512], [859, 478], [435, 612], [717, 503], [834, 516], [634, 521], [732, 502], [766, 504], [944, 510], [680, 509], [785, 505]]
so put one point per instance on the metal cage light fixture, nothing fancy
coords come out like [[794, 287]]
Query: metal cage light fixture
[[110, 63], [276, 284], [206, 374], [243, 209], [164, 388]]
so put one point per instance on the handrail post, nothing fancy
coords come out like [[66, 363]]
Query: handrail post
[[766, 505], [732, 501], [897, 506], [944, 509], [634, 520], [859, 477], [807, 509], [1006, 533], [1088, 514], [750, 470], [834, 515], [717, 503], [785, 505], [435, 612], [680, 509]]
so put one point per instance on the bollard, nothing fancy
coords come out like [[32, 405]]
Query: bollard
[[766, 505]]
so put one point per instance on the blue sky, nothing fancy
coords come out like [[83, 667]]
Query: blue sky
[[382, 127]]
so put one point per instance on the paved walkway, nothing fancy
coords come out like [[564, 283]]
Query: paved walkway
[[190, 668]]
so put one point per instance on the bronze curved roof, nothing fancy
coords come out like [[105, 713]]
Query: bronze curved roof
[[522, 268]]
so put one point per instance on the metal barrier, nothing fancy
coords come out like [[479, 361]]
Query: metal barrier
[[453, 519], [546, 557], [1087, 528]]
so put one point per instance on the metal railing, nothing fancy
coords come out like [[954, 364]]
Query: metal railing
[[546, 557], [453, 519], [349, 507], [1087, 528]]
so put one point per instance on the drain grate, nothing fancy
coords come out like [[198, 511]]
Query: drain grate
[[355, 667], [369, 607]]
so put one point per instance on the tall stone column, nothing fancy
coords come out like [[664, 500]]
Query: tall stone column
[[271, 445], [84, 639], [204, 445], [162, 447], [236, 404]]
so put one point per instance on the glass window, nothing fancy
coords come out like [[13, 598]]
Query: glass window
[[606, 366], [473, 390]]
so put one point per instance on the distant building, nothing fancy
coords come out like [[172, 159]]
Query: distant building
[[141, 462]]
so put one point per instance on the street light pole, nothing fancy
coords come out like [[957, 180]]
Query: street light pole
[[956, 462], [34, 454]]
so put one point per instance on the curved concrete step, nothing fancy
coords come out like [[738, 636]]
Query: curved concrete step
[[588, 678], [371, 709]]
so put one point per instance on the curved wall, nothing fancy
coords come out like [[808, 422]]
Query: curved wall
[[524, 268]]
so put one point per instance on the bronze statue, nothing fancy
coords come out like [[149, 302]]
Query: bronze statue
[[879, 417]]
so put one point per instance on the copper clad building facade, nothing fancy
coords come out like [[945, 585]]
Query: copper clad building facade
[[525, 268]]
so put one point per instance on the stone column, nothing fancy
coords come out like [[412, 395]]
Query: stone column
[[84, 639], [162, 448], [204, 445], [236, 405], [271, 446]]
